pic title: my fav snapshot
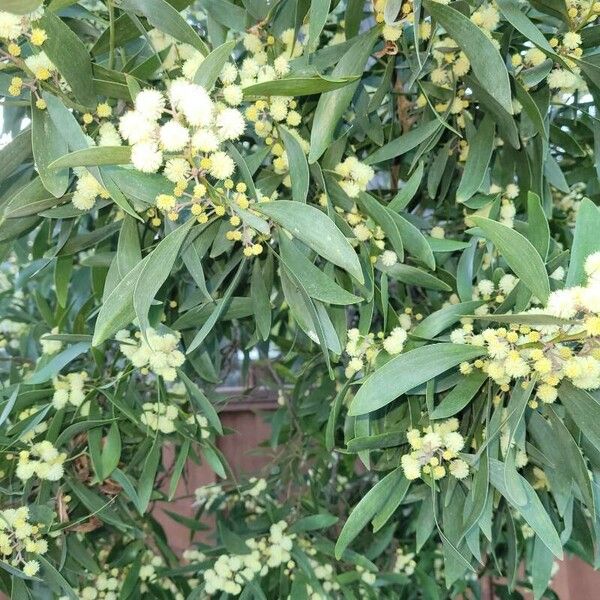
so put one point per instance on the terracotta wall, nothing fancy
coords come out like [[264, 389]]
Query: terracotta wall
[[575, 579]]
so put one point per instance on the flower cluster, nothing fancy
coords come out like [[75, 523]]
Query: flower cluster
[[568, 204], [39, 428], [69, 389], [363, 349], [154, 352], [392, 32], [87, 189], [20, 35], [50, 346], [550, 353], [231, 572], [493, 293], [43, 460], [108, 583], [268, 59], [435, 451], [159, 416], [13, 28], [404, 562], [183, 129], [21, 540], [354, 176]]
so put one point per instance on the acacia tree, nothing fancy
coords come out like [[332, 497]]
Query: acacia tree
[[384, 213]]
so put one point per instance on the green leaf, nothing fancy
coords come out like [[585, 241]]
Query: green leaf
[[533, 511], [147, 477], [111, 452], [54, 578], [166, 18], [408, 191], [542, 563], [92, 157], [15, 153], [62, 278], [538, 231], [311, 316], [414, 276], [48, 144], [45, 372], [392, 503], [585, 242], [155, 270], [117, 310], [574, 462], [480, 153], [66, 50], [298, 85], [97, 504], [583, 408], [317, 17], [203, 403], [460, 395], [441, 319], [217, 311], [520, 255], [332, 104], [316, 230], [312, 522], [334, 414], [298, 167], [260, 301], [407, 371], [382, 216], [29, 200], [414, 241], [366, 509], [404, 143], [178, 468], [19, 7], [521, 22], [486, 62], [316, 283], [210, 69]]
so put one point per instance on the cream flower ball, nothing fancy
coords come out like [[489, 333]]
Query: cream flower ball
[[230, 124], [177, 169], [146, 157], [150, 104], [195, 103], [174, 136], [10, 25], [222, 165], [205, 140], [135, 127]]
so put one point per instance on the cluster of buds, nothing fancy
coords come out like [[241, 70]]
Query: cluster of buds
[[363, 349], [354, 176], [21, 540], [550, 353], [435, 451], [404, 562], [185, 130], [43, 460], [22, 41], [69, 389], [154, 352], [230, 572]]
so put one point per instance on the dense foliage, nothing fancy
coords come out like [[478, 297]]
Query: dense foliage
[[382, 214]]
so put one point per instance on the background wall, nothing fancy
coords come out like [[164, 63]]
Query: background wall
[[575, 579]]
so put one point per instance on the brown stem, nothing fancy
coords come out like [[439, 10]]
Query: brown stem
[[487, 588]]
